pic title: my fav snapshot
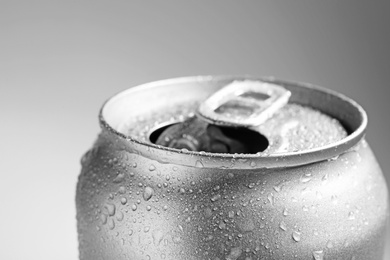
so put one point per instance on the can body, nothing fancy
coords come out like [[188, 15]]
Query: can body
[[139, 201]]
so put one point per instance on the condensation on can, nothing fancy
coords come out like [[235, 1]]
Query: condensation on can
[[138, 200]]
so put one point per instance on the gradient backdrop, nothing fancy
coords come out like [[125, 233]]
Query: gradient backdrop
[[59, 60]]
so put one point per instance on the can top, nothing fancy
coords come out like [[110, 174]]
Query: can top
[[138, 101]]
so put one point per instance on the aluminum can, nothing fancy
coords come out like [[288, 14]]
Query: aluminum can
[[138, 200]]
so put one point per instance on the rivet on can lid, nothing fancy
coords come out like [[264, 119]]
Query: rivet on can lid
[[258, 102]]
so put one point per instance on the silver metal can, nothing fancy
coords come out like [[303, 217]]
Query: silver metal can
[[137, 199]]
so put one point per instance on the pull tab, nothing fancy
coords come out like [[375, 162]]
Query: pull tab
[[243, 103]]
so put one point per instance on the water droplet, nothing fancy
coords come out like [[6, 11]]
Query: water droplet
[[215, 197], [209, 238], [180, 227], [148, 208], [351, 215], [111, 224], [146, 229], [285, 212], [329, 244], [262, 225], [152, 167], [110, 209], [131, 174], [283, 226], [222, 225], [253, 164], [165, 207], [318, 255], [119, 178], [271, 198], [296, 236], [148, 193], [278, 187], [123, 200], [306, 177], [134, 207], [199, 164]]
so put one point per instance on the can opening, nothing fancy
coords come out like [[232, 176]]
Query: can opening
[[156, 133], [253, 141], [214, 139]]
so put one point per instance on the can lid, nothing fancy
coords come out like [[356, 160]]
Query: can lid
[[139, 99], [253, 101]]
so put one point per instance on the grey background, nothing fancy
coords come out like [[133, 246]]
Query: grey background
[[59, 60]]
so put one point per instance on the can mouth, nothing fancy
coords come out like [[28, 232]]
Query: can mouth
[[138, 101], [240, 139]]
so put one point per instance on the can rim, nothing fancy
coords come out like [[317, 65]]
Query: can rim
[[241, 161]]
